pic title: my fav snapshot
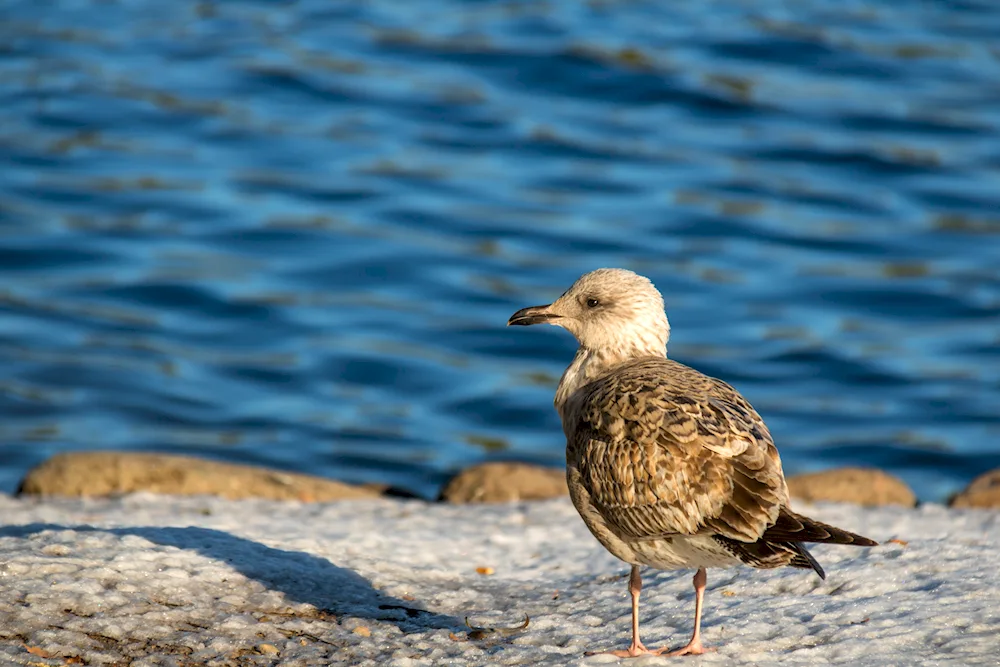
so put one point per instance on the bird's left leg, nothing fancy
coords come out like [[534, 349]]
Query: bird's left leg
[[694, 646], [635, 648]]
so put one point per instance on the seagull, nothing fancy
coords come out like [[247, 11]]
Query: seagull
[[668, 467]]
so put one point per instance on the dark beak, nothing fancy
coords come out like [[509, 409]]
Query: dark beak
[[532, 315]]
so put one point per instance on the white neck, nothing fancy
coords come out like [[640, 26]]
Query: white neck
[[588, 365]]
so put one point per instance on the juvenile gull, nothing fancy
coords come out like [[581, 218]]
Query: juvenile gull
[[667, 467]]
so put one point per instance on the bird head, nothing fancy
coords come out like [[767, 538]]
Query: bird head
[[610, 310]]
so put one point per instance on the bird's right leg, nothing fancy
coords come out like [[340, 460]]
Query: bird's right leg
[[634, 588]]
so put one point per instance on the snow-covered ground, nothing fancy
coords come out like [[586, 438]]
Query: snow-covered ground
[[152, 580]]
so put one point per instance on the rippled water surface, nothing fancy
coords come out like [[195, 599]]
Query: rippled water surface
[[291, 233]]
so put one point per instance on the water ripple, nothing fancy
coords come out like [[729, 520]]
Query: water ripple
[[291, 235]]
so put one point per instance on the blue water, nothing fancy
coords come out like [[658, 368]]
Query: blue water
[[291, 233]]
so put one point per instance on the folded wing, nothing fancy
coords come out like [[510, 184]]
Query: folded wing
[[664, 450]]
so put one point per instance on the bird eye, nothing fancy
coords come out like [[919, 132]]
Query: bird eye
[[593, 303]]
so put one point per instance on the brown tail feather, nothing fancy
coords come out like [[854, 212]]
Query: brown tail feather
[[792, 527], [781, 544], [764, 554]]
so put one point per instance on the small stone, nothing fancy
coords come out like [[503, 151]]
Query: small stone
[[862, 486], [56, 550], [983, 492], [267, 649], [505, 482]]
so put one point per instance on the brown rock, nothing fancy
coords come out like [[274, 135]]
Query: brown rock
[[863, 486], [984, 491], [504, 482], [107, 473]]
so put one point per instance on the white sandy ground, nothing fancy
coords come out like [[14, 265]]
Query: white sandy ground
[[151, 580]]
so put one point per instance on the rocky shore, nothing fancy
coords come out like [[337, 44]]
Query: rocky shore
[[107, 473]]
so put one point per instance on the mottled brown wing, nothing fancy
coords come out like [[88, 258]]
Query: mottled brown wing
[[663, 450]]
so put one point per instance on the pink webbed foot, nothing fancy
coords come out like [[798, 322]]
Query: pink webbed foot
[[693, 648], [636, 650], [633, 651]]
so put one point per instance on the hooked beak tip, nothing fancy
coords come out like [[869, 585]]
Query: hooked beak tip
[[532, 315]]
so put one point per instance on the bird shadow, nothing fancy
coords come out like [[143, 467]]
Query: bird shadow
[[301, 577]]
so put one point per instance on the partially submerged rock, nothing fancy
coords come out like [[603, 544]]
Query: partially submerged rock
[[862, 486], [984, 491], [505, 482], [109, 473]]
